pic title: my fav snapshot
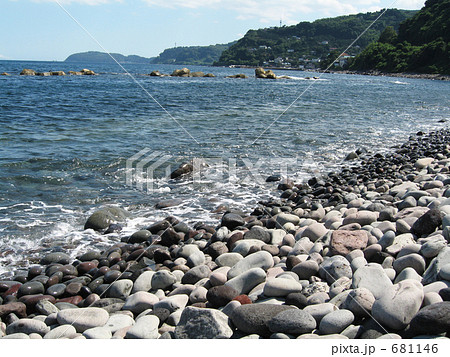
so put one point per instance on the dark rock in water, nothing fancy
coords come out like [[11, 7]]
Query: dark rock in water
[[104, 217], [182, 170], [159, 226], [90, 255], [155, 74], [296, 299], [351, 156], [57, 257], [139, 236], [432, 319], [113, 228], [221, 295], [232, 220], [170, 237], [427, 223], [254, 318], [273, 178], [168, 203], [286, 184]]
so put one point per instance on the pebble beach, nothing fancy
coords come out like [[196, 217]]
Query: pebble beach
[[360, 253]]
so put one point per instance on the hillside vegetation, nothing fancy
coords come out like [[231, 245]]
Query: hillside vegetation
[[309, 41], [192, 55], [422, 44]]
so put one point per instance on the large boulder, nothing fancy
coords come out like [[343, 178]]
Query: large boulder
[[184, 72], [198, 323], [102, 218], [28, 72], [261, 73]]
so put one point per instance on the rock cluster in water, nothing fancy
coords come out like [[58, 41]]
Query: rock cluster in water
[[362, 253], [31, 72]]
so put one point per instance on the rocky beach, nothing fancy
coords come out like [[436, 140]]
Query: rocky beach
[[360, 253]]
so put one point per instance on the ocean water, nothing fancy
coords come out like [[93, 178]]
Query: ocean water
[[65, 143]]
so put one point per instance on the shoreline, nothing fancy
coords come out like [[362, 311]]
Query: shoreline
[[315, 263]]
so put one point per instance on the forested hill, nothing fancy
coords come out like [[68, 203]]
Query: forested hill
[[192, 55], [422, 44], [101, 57], [292, 45]]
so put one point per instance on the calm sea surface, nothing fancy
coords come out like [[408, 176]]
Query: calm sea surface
[[65, 141]]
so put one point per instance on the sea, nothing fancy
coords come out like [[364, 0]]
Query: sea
[[70, 145]]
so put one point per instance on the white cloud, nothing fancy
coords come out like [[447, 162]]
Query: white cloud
[[290, 11]]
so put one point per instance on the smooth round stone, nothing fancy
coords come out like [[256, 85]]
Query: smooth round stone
[[335, 322], [196, 274], [217, 278], [143, 282], [372, 277], [246, 281], [444, 272], [146, 327], [314, 231], [120, 289], [140, 236], [221, 295], [432, 319], [162, 279], [172, 303], [361, 217], [261, 259], [228, 259], [318, 311], [431, 298], [118, 321], [413, 260], [243, 246], [56, 257], [399, 304], [140, 301], [16, 336], [359, 301], [294, 322], [357, 263], [62, 331], [432, 272], [334, 268], [279, 287], [27, 326], [387, 239], [197, 323], [296, 299], [305, 270], [253, 318], [198, 295], [343, 241], [283, 218], [31, 288], [431, 248], [232, 220], [196, 259], [84, 318], [277, 236], [258, 233], [97, 333], [45, 307], [407, 273], [390, 273]]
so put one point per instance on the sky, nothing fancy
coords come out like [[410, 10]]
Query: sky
[[51, 30]]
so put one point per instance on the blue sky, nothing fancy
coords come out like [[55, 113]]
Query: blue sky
[[42, 30]]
